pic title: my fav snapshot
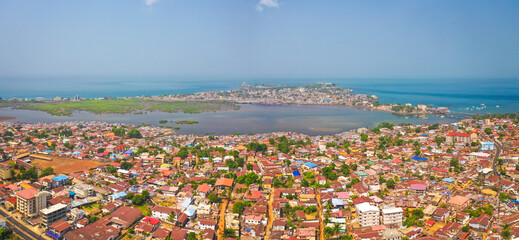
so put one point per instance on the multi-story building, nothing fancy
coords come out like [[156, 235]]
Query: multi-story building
[[30, 201], [392, 216], [368, 215], [5, 171], [53, 214], [83, 190]]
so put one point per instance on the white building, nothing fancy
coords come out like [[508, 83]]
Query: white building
[[392, 216], [368, 215], [53, 214]]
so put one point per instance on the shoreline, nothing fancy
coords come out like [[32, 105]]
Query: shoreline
[[6, 118]]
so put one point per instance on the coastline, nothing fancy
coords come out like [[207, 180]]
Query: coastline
[[6, 118]]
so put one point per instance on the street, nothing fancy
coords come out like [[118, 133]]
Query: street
[[18, 228]]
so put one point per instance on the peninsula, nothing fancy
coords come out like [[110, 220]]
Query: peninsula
[[313, 94]]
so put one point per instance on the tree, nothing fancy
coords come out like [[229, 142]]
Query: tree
[[191, 236], [172, 217], [363, 137], [239, 206], [328, 231], [213, 198], [465, 228], [229, 233], [47, 171], [126, 165], [488, 131], [506, 234], [390, 183], [134, 133]]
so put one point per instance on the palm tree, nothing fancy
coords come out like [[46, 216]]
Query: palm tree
[[336, 228]]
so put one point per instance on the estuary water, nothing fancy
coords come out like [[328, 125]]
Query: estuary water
[[463, 95], [251, 118]]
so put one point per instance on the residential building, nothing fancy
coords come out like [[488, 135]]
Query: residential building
[[30, 201], [53, 214], [392, 216], [368, 215]]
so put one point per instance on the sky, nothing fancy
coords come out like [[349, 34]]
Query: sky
[[261, 38]]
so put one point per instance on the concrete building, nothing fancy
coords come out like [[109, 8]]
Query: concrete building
[[84, 190], [53, 214], [368, 215], [30, 201], [5, 171], [392, 216]]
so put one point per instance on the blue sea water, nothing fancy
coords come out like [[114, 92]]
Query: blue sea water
[[466, 95]]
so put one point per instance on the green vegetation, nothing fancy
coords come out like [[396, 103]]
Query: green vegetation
[[186, 122], [47, 171], [121, 106], [163, 121], [239, 206]]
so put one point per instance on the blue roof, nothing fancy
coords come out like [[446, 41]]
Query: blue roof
[[296, 173], [190, 211], [119, 195], [186, 203], [72, 193], [419, 158], [129, 152], [449, 180], [60, 178], [53, 235], [310, 165], [337, 202]]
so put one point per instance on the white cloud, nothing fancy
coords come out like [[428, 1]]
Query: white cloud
[[266, 3], [150, 2]]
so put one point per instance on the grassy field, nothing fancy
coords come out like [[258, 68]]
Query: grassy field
[[121, 106]]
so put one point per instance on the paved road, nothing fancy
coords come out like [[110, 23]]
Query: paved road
[[18, 228]]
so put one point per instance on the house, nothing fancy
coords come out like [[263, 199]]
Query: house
[[161, 233], [481, 223], [451, 230], [252, 219], [204, 190], [163, 212], [223, 183], [108, 227], [459, 202], [58, 229], [279, 225], [207, 224], [441, 214], [308, 233]]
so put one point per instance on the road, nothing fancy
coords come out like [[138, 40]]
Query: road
[[320, 212], [221, 219], [18, 228], [270, 216]]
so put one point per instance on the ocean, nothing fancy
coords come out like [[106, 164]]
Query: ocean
[[494, 95], [465, 95]]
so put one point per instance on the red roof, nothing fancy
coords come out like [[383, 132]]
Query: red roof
[[458, 134], [27, 193], [60, 226], [440, 169], [11, 200], [430, 222], [150, 220], [204, 188], [224, 182]]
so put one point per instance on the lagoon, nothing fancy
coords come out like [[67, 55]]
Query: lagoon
[[250, 118]]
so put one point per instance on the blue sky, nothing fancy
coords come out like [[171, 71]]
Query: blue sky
[[260, 38]]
